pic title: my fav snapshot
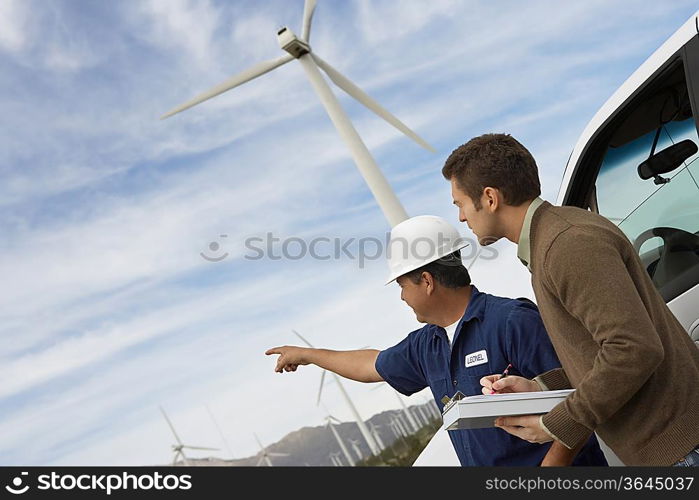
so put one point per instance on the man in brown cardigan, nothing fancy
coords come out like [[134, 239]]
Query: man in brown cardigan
[[632, 364]]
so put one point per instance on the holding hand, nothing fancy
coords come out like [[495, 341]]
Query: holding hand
[[511, 383], [527, 427], [290, 357]]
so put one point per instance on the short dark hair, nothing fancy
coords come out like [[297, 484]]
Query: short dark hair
[[494, 160], [449, 271]]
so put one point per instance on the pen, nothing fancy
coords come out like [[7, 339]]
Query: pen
[[504, 374]]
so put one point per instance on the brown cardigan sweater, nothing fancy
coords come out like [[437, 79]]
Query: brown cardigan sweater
[[634, 368]]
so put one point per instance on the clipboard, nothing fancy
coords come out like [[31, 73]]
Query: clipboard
[[480, 412]]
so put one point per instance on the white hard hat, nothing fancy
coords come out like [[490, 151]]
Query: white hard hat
[[420, 240]]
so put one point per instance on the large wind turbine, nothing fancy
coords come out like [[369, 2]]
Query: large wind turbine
[[371, 443], [179, 447], [300, 49]]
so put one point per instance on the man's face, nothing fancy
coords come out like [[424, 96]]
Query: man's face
[[415, 295], [482, 222]]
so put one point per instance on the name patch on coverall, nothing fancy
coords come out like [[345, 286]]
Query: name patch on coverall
[[476, 358]]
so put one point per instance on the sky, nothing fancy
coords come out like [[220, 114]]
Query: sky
[[107, 307]]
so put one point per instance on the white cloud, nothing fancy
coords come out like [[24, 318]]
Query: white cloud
[[186, 26], [14, 20], [406, 18]]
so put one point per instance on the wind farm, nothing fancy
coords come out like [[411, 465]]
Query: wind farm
[[130, 284], [332, 442], [299, 48]]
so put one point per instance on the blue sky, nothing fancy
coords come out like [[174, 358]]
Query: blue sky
[[107, 308]]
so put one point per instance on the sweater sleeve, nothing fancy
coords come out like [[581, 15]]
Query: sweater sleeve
[[553, 380], [588, 274]]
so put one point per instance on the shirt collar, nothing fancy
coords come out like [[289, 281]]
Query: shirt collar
[[524, 245], [475, 309], [476, 305]]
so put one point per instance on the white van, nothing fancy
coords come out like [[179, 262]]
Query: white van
[[654, 201], [636, 163]]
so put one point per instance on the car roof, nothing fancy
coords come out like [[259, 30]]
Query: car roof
[[688, 30]]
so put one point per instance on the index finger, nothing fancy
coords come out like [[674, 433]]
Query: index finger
[[274, 350], [510, 421], [488, 380]]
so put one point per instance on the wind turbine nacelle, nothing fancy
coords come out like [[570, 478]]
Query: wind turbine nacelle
[[290, 42]]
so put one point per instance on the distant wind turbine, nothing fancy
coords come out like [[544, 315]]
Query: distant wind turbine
[[402, 427], [398, 430], [299, 48], [420, 412], [220, 432], [406, 412], [375, 433], [393, 427], [344, 449], [179, 447], [335, 458], [357, 450], [433, 408], [373, 447], [266, 454]]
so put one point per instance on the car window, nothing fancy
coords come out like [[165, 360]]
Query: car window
[[662, 221]]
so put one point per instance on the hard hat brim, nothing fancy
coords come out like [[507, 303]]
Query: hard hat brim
[[394, 276]]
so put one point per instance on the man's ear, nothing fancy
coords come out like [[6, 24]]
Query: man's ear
[[428, 280], [491, 199]]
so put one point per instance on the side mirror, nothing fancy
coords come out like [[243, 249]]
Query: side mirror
[[666, 161]]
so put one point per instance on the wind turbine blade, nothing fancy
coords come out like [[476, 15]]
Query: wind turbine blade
[[200, 448], [270, 454], [259, 462], [308, 10], [179, 441], [220, 432], [345, 84], [334, 419], [303, 339], [320, 389], [258, 442], [257, 70]]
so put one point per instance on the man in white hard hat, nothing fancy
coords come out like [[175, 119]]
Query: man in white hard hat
[[468, 334]]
